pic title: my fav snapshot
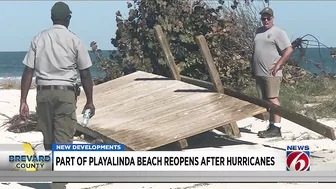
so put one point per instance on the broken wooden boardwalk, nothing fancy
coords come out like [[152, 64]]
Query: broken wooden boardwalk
[[144, 111]]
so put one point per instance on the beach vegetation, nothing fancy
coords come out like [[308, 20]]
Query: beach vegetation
[[13, 84], [16, 124], [312, 96], [228, 27]]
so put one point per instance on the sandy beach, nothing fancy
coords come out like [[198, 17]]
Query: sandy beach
[[324, 149]]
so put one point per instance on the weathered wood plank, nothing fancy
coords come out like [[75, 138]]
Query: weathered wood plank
[[183, 115], [209, 63], [186, 130], [174, 112], [142, 112], [127, 96], [168, 54], [161, 37], [211, 87], [97, 135], [214, 75], [149, 122], [136, 81]]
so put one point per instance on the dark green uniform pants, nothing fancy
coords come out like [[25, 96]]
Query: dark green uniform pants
[[56, 111]]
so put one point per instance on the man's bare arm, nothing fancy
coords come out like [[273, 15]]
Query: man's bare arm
[[87, 84], [26, 81], [285, 55]]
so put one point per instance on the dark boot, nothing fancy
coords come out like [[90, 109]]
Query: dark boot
[[270, 132]]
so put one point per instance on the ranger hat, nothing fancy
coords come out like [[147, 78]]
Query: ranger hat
[[267, 10], [60, 11]]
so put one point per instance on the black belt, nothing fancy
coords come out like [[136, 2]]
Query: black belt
[[55, 87]]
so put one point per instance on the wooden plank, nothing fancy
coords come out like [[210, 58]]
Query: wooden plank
[[168, 112], [158, 129], [141, 112], [97, 135], [145, 119], [230, 129], [139, 99], [211, 87], [129, 95], [209, 63], [123, 82], [198, 82], [211, 67], [194, 107], [165, 132], [288, 114], [299, 119], [166, 49], [161, 37], [118, 85]]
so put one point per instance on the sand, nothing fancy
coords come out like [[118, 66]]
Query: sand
[[324, 149]]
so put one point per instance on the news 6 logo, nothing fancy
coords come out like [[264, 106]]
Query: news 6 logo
[[298, 158]]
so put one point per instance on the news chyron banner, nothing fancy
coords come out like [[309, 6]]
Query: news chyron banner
[[112, 157], [24, 157]]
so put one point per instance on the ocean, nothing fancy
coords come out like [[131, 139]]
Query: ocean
[[315, 60], [11, 66]]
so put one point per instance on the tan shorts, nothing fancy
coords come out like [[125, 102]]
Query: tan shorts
[[268, 87]]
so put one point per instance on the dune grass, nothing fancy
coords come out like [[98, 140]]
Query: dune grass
[[13, 84], [313, 97]]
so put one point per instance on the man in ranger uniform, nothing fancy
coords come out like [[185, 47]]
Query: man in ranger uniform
[[55, 55], [272, 48]]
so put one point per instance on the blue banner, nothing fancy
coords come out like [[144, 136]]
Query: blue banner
[[87, 147]]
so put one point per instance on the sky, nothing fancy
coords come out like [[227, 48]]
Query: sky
[[95, 20]]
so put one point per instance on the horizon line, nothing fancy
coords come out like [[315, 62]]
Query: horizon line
[[26, 50], [117, 49]]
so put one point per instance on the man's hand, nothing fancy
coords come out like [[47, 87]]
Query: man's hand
[[25, 85], [275, 69], [88, 88], [24, 110], [285, 55], [91, 107]]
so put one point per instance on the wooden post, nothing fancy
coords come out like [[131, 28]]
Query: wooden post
[[209, 62], [168, 54], [161, 37]]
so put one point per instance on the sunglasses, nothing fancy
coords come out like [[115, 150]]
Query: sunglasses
[[266, 18], [68, 17]]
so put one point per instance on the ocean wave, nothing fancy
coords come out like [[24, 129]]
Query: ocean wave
[[12, 79]]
